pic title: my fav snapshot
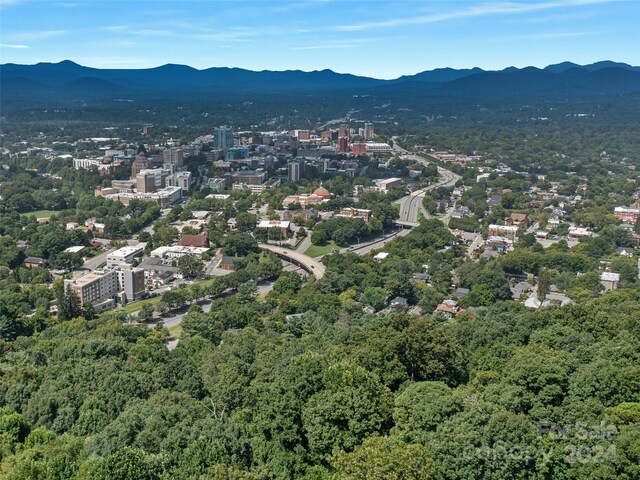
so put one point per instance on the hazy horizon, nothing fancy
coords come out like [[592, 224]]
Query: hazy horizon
[[375, 39]]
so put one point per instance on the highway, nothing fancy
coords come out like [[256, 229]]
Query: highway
[[412, 203]]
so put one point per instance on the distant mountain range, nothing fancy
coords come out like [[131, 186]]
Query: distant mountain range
[[70, 80]]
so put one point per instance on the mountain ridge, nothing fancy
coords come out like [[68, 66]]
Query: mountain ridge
[[68, 79]]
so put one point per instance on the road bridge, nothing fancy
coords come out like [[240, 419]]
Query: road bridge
[[312, 266]]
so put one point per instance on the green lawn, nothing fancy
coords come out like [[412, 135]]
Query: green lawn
[[317, 250], [137, 305], [42, 213]]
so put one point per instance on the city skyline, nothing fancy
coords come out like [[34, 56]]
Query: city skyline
[[376, 39]]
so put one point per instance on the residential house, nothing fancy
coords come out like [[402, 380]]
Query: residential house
[[609, 280], [518, 290], [460, 292], [199, 240], [625, 252], [399, 303], [226, 263], [517, 219], [34, 262]]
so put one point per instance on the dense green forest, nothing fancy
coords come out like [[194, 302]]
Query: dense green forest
[[303, 383]]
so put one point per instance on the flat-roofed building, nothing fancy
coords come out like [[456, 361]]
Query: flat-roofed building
[[627, 214], [249, 177], [173, 157], [510, 232], [124, 255], [376, 147], [97, 288], [177, 251], [350, 212], [385, 184], [131, 283], [164, 198]]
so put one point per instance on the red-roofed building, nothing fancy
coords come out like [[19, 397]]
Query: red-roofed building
[[447, 310], [200, 240]]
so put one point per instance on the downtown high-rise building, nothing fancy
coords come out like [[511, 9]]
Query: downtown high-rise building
[[224, 138], [173, 158], [368, 131], [296, 170], [343, 144]]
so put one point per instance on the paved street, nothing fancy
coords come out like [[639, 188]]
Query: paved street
[[93, 263], [412, 203], [304, 244], [176, 319]]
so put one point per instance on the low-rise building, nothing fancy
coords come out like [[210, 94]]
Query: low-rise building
[[579, 232], [377, 147], [177, 251], [283, 225], [627, 214], [200, 240], [399, 303], [216, 184], [609, 280], [34, 262], [517, 219], [350, 212], [226, 263], [510, 232], [124, 255], [379, 257], [164, 198], [385, 184], [320, 195]]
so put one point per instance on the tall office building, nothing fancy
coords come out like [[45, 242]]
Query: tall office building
[[173, 157], [224, 138], [139, 164], [343, 144], [368, 131], [296, 169], [344, 130]]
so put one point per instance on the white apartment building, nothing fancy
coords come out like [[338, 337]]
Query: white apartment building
[[124, 255]]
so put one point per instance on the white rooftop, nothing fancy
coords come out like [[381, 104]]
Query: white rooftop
[[610, 277], [274, 224], [127, 250], [178, 250]]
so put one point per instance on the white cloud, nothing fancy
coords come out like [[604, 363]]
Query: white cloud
[[37, 35], [11, 45], [7, 3], [350, 43], [546, 36], [498, 8], [114, 28]]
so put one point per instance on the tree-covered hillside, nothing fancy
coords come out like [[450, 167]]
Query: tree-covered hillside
[[305, 384]]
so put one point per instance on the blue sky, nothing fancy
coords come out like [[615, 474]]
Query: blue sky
[[384, 39]]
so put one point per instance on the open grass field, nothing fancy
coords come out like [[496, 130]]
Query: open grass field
[[42, 213], [137, 305], [317, 250]]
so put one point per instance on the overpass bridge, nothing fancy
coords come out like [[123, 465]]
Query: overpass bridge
[[406, 223], [312, 266]]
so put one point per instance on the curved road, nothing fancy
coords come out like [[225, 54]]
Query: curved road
[[312, 266], [412, 203]]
